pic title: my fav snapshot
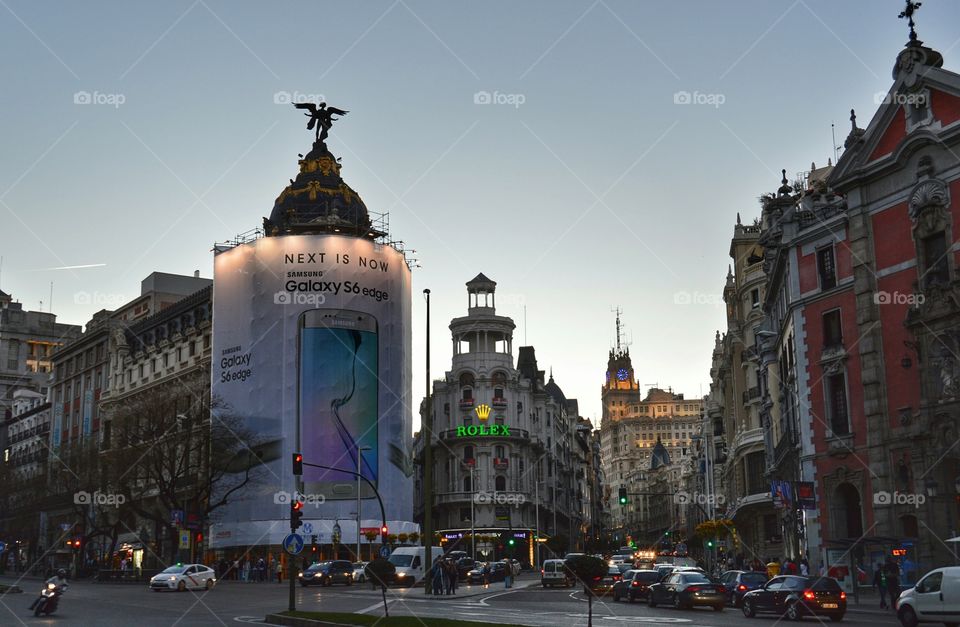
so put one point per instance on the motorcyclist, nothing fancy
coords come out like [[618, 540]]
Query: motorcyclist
[[59, 580]]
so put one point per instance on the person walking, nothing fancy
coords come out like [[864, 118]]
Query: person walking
[[880, 583], [804, 567], [893, 583], [437, 574]]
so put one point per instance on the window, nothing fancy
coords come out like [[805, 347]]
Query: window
[[935, 269], [930, 583], [754, 298], [467, 420], [836, 391], [464, 513], [498, 452], [498, 393], [466, 484], [500, 483], [832, 331], [467, 394], [826, 268], [467, 453]]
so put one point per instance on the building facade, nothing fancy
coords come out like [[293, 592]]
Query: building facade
[[510, 459]]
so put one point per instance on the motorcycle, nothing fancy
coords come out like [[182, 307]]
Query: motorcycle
[[49, 600]]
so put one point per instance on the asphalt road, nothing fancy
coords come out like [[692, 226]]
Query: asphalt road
[[232, 603]]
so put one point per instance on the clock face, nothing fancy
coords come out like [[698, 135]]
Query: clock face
[[622, 374]]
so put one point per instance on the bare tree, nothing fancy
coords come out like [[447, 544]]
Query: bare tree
[[170, 446]]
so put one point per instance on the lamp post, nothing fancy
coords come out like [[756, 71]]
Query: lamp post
[[360, 450], [427, 440]]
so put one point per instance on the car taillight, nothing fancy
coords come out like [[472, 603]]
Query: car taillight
[[693, 588], [721, 589], [541, 572], [742, 588], [843, 595], [809, 595]]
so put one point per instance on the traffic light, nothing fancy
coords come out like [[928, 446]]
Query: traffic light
[[709, 544], [296, 514], [199, 538], [666, 534], [623, 496], [383, 534], [297, 465], [511, 541]]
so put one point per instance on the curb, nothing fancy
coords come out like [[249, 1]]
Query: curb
[[446, 597], [293, 621]]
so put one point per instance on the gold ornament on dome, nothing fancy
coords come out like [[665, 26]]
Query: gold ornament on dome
[[327, 166]]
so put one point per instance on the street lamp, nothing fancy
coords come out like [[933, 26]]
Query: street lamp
[[360, 450]]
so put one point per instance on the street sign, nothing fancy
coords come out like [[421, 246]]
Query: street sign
[[184, 538], [66, 526], [384, 551], [3, 547], [176, 517], [293, 544], [307, 528]]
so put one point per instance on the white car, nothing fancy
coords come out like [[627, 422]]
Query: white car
[[184, 577], [358, 574], [935, 599]]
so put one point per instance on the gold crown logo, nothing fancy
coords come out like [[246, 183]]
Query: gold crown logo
[[483, 411]]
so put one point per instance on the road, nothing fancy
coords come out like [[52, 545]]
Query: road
[[233, 603]]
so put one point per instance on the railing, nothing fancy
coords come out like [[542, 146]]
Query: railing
[[783, 447], [466, 402], [498, 402], [751, 394], [809, 217], [500, 462]]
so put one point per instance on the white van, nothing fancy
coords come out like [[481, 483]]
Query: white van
[[935, 599], [408, 560], [554, 573]]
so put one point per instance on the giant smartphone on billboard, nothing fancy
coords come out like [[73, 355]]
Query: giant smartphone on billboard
[[338, 400]]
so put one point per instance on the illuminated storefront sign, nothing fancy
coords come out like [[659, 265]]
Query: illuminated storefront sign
[[479, 430]]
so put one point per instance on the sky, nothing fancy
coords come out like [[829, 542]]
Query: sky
[[585, 155]]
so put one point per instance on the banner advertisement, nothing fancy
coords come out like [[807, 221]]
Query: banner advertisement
[[311, 352], [806, 495]]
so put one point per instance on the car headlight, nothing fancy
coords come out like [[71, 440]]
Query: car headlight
[[172, 578]]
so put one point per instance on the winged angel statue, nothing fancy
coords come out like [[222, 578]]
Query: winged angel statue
[[321, 117]]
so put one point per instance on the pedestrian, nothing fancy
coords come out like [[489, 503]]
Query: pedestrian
[[123, 564], [893, 583], [880, 583], [437, 575], [261, 569], [804, 567], [773, 568]]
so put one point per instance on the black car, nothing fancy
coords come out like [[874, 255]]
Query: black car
[[687, 589], [328, 573], [487, 572], [795, 597], [464, 566], [740, 582], [635, 584]]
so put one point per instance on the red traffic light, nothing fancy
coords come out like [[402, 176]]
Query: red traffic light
[[297, 464], [297, 505]]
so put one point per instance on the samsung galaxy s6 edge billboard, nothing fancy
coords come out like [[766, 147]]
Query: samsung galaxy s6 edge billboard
[[311, 352]]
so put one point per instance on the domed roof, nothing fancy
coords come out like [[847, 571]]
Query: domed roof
[[554, 391], [319, 201], [660, 456]]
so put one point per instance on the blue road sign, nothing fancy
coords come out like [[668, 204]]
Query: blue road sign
[[3, 547], [293, 544], [307, 528], [384, 551]]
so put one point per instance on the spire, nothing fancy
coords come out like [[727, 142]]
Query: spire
[[908, 13], [785, 189], [738, 219]]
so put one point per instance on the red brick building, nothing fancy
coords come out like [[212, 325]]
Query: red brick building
[[901, 179]]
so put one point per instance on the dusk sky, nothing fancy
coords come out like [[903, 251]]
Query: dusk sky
[[545, 144]]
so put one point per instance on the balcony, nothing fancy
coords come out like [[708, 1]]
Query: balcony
[[499, 402], [466, 403], [469, 461], [751, 394], [502, 431], [747, 438], [501, 463]]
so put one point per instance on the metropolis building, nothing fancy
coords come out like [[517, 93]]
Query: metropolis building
[[508, 458]]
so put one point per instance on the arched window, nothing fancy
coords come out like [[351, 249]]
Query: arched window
[[499, 452], [466, 484], [467, 453], [500, 483], [847, 512]]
